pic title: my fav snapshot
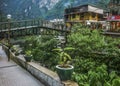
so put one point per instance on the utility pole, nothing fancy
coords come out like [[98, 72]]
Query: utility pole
[[8, 18]]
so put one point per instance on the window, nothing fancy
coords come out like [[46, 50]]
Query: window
[[82, 16], [66, 17], [93, 15], [73, 16], [115, 12]]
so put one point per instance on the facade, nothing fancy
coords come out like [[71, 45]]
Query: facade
[[114, 15], [86, 14]]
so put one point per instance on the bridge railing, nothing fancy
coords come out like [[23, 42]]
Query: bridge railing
[[32, 23]]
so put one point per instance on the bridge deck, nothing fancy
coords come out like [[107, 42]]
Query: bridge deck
[[13, 75]]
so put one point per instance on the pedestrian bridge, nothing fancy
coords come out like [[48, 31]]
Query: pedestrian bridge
[[32, 27]]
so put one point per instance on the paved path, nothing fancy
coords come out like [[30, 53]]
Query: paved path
[[13, 75]]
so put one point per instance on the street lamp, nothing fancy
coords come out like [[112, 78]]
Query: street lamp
[[9, 18]]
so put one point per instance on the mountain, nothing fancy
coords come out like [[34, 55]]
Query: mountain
[[26, 8], [30, 9]]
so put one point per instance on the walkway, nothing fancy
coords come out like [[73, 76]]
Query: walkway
[[13, 75]]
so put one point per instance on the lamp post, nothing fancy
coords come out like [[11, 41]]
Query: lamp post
[[8, 18]]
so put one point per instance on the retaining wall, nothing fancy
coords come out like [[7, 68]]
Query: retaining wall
[[45, 75]]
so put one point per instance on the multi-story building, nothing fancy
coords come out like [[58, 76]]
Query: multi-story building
[[86, 14], [114, 15]]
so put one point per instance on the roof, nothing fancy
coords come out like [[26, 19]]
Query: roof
[[86, 8], [85, 4]]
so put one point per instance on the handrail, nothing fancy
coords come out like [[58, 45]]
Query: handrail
[[23, 27], [18, 21]]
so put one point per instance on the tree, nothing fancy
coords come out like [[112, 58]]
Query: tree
[[103, 3]]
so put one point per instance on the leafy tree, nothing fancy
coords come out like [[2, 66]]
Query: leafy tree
[[92, 44]]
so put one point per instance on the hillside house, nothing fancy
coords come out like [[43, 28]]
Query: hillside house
[[85, 14]]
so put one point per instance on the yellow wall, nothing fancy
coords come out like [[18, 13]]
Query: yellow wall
[[68, 24], [72, 18], [69, 18], [93, 18], [77, 17], [87, 16]]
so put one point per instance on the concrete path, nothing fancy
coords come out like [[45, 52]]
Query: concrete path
[[13, 75]]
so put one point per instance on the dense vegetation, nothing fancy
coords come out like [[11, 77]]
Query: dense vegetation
[[95, 57], [91, 44]]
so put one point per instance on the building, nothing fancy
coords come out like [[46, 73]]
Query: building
[[86, 14], [114, 15]]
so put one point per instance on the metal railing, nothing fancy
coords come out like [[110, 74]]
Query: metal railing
[[14, 25]]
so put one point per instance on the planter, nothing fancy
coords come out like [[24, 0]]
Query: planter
[[65, 73], [28, 58]]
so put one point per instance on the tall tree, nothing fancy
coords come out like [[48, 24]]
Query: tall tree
[[103, 3]]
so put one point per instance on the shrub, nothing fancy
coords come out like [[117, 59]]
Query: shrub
[[42, 51], [97, 77]]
